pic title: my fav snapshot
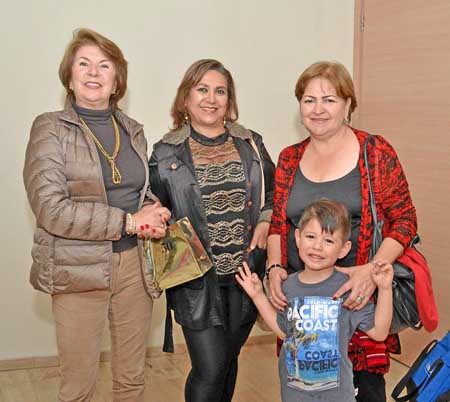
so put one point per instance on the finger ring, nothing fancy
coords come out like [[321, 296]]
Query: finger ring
[[269, 297], [359, 299]]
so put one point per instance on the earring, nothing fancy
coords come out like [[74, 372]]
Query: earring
[[186, 118], [224, 121], [346, 120]]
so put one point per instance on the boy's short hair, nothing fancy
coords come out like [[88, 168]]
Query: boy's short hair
[[332, 216]]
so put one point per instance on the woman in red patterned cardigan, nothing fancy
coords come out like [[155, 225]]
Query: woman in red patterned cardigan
[[329, 163]]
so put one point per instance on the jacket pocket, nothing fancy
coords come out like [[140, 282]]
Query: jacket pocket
[[41, 275]]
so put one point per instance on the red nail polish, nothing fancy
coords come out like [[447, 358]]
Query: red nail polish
[[334, 298], [142, 227], [147, 226], [153, 230]]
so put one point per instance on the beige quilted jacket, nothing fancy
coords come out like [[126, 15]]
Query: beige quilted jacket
[[72, 249]]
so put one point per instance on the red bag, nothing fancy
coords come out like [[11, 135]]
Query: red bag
[[426, 304]]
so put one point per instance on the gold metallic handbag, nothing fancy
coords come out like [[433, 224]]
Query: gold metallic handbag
[[178, 257]]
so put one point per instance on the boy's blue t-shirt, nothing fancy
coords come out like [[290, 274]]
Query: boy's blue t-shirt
[[314, 365]]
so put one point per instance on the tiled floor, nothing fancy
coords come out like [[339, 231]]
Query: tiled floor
[[165, 376]]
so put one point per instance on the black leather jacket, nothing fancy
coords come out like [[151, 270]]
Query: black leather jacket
[[172, 179]]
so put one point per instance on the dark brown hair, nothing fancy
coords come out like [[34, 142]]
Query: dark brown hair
[[336, 74], [332, 216], [83, 37], [191, 78]]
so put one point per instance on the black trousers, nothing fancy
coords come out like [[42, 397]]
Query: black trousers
[[371, 387], [214, 353]]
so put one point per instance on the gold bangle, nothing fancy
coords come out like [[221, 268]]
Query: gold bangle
[[130, 229]]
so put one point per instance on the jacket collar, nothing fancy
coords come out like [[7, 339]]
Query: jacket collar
[[177, 137], [132, 127]]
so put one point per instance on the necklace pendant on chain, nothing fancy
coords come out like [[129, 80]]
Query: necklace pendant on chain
[[116, 176]]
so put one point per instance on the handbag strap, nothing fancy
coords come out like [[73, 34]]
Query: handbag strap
[[369, 181], [263, 185], [377, 225]]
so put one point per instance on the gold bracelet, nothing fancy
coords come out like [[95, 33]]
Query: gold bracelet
[[130, 225]]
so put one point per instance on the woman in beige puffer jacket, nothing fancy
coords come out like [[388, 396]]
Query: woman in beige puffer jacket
[[86, 177]]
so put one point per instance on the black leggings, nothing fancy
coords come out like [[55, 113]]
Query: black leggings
[[214, 354]]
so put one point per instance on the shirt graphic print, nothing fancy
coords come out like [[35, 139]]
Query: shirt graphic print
[[312, 343]]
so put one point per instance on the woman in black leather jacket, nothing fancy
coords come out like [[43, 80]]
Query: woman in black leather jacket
[[210, 169]]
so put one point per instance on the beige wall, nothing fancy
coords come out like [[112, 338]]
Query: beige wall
[[265, 47]]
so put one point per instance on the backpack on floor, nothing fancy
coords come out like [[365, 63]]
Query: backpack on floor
[[428, 379]]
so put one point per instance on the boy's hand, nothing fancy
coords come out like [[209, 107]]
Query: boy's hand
[[382, 274], [249, 281]]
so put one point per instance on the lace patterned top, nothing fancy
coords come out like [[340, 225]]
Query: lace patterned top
[[221, 178]]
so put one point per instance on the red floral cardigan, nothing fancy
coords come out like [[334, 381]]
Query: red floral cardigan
[[394, 207]]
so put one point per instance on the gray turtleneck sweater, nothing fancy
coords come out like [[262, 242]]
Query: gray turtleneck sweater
[[126, 194]]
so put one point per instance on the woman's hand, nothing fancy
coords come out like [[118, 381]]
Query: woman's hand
[[249, 281], [360, 283], [260, 234], [151, 220], [277, 298]]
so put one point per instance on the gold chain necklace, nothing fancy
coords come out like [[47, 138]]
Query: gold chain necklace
[[116, 177]]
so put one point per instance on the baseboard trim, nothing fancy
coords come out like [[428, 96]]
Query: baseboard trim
[[154, 351]]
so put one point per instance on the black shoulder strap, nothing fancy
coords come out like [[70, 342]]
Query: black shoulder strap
[[369, 181], [377, 225]]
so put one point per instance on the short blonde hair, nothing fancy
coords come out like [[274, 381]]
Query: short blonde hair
[[83, 37], [336, 74], [191, 78]]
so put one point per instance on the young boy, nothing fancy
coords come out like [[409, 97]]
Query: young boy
[[313, 364]]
